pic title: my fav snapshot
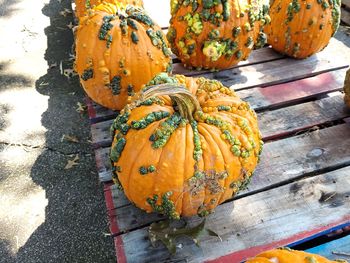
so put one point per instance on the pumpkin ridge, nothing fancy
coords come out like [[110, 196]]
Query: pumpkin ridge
[[209, 133], [212, 167], [132, 166]]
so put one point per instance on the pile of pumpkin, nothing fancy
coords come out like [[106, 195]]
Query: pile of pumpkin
[[184, 145]]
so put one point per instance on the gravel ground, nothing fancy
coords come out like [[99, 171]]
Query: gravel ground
[[47, 213]]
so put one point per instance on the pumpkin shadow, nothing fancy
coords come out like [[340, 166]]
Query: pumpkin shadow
[[75, 216]]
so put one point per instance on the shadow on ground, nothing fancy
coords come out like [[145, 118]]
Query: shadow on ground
[[75, 217]]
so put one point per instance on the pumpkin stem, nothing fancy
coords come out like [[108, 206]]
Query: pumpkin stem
[[187, 103]]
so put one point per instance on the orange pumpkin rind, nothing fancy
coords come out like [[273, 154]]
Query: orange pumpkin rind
[[216, 34], [83, 6], [117, 52], [287, 255], [302, 28], [184, 146]]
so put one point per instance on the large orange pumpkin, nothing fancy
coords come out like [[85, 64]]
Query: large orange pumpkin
[[118, 52], [216, 34], [347, 88], [302, 28], [286, 255], [81, 6], [184, 146]]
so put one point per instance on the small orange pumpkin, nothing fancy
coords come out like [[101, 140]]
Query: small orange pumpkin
[[216, 34], [81, 6], [184, 146], [117, 52], [287, 255], [302, 28]]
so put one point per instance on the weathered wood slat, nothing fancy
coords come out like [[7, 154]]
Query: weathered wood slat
[[281, 215], [346, 3], [280, 71], [293, 92], [284, 121], [257, 56], [345, 16], [282, 161], [334, 250]]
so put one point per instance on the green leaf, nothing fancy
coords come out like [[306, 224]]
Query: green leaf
[[166, 234]]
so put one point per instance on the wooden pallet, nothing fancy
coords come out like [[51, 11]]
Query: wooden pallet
[[301, 188], [345, 12]]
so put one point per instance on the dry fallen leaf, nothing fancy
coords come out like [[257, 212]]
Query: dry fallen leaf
[[70, 25], [69, 138], [71, 163], [69, 73], [81, 108]]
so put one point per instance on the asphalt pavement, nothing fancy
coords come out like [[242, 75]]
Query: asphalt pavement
[[51, 209]]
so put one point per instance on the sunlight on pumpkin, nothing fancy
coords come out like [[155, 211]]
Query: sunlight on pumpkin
[[22, 54]]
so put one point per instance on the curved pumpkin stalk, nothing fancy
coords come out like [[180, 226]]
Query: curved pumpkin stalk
[[186, 102]]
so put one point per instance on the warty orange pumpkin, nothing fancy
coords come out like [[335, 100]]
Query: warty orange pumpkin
[[117, 52], [347, 88], [302, 28], [81, 6], [287, 255], [216, 34], [184, 146]]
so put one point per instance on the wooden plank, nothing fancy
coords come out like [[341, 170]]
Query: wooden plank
[[282, 122], [98, 113], [285, 121], [281, 71], [333, 250], [257, 56], [259, 98], [282, 161], [293, 92], [346, 3], [281, 216], [345, 16]]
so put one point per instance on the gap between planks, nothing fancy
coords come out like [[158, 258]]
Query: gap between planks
[[274, 218], [282, 161]]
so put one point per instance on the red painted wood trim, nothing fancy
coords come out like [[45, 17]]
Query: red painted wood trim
[[106, 186], [114, 228], [119, 249], [90, 108], [242, 255], [299, 89]]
